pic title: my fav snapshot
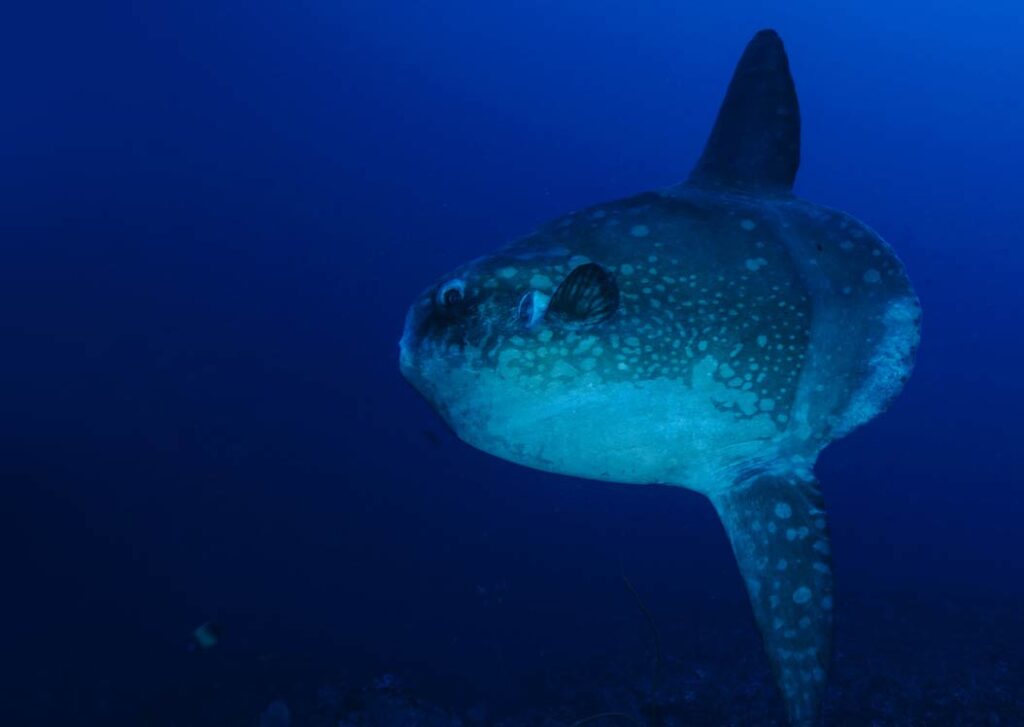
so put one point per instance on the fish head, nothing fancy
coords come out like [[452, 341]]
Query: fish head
[[511, 350]]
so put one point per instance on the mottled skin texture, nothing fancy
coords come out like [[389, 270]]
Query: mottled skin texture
[[716, 321], [752, 328]]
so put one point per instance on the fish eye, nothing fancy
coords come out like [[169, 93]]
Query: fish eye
[[451, 293], [531, 307]]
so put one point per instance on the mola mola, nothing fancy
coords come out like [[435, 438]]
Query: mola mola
[[715, 335]]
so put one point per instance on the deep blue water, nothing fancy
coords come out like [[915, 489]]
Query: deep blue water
[[212, 220]]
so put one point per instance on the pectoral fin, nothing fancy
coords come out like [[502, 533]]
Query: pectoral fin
[[587, 296], [780, 538]]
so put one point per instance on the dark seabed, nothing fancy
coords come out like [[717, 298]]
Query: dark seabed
[[214, 217]]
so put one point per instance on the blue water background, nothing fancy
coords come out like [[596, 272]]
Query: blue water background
[[212, 219]]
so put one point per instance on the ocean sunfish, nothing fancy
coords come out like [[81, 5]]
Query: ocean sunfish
[[714, 335]]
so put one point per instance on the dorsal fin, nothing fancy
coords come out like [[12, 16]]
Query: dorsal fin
[[755, 145]]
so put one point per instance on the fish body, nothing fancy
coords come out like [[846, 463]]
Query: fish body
[[715, 335]]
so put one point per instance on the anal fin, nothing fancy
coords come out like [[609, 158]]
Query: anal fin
[[777, 527]]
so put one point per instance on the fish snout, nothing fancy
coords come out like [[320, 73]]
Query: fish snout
[[408, 344]]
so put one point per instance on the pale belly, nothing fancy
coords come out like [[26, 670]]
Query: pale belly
[[695, 434]]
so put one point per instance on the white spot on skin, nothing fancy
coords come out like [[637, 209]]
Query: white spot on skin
[[563, 369], [802, 595], [755, 264], [782, 564], [626, 269], [640, 230], [507, 272], [783, 511], [872, 276], [506, 357], [748, 225], [540, 281], [762, 341], [585, 345], [766, 404]]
